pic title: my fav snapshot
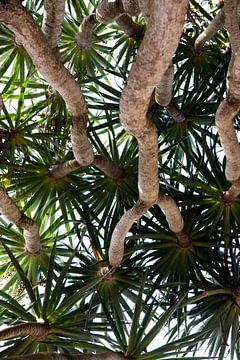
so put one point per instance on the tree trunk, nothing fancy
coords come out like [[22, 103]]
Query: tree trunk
[[53, 16]]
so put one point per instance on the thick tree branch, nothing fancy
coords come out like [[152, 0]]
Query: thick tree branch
[[56, 356], [231, 22], [131, 28], [116, 249], [229, 108], [216, 24], [52, 20], [232, 193], [30, 229], [107, 12], [166, 19], [106, 165], [17, 19], [172, 213], [84, 36], [36, 330], [177, 115], [163, 91]]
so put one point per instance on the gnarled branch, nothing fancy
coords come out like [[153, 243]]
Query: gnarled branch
[[166, 19], [17, 19], [30, 229], [52, 20], [36, 330]]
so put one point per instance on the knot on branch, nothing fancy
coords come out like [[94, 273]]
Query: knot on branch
[[183, 240]]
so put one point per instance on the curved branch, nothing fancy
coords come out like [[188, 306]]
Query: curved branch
[[17, 19], [84, 36], [52, 20], [131, 7], [30, 229], [177, 115], [116, 249], [107, 11], [229, 108], [131, 28], [36, 330], [215, 25], [56, 356], [163, 91], [106, 165], [166, 18], [172, 213]]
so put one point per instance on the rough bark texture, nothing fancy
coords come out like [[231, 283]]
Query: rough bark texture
[[30, 229], [230, 106], [131, 7], [216, 24], [231, 22], [16, 18], [84, 36], [56, 356], [163, 91], [127, 25], [60, 170], [106, 165], [175, 113], [107, 11], [36, 330], [52, 20], [172, 213], [116, 249], [165, 18]]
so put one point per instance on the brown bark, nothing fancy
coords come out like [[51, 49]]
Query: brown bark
[[56, 356], [84, 36], [216, 24], [131, 28], [163, 91], [175, 113], [183, 240], [131, 7], [103, 163], [116, 249], [108, 167], [107, 12], [165, 18], [36, 330], [52, 20], [231, 22], [17, 19], [30, 229], [232, 193], [230, 106], [172, 213]]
